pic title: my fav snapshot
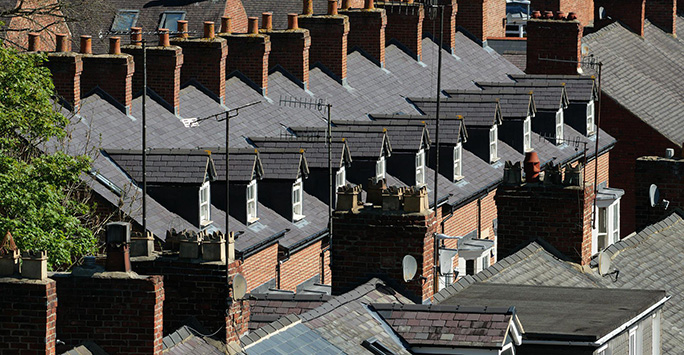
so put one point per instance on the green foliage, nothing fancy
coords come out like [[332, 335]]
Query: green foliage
[[41, 199]]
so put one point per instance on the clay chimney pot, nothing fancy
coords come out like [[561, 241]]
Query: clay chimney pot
[[369, 4], [136, 36], [332, 7], [572, 16], [267, 21], [61, 42], [182, 28], [253, 25], [292, 22], [86, 44], [548, 15], [33, 41], [164, 37], [536, 14], [560, 15], [308, 7], [532, 167], [225, 25], [114, 45], [208, 29]]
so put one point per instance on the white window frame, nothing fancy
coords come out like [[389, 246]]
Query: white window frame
[[340, 178], [493, 144], [634, 341], [609, 218], [602, 350], [527, 134], [297, 200], [252, 202], [420, 168], [480, 262], [559, 127], [590, 118], [205, 203], [380, 168], [656, 333], [458, 162]]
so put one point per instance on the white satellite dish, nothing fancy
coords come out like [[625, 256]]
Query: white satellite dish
[[410, 266], [584, 49], [239, 287], [603, 263], [654, 195]]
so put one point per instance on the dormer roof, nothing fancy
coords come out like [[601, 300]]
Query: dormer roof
[[364, 142], [515, 104], [452, 129], [245, 164], [316, 149], [476, 113], [547, 96], [579, 87], [166, 166], [284, 163], [405, 137]]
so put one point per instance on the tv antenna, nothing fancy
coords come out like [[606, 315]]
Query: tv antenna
[[239, 287], [409, 266]]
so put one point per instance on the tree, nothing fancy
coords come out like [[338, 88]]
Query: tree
[[41, 196]]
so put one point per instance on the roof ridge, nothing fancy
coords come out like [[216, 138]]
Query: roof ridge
[[343, 299], [676, 216]]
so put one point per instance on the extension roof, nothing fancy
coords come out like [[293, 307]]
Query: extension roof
[[515, 104], [547, 95], [267, 308]]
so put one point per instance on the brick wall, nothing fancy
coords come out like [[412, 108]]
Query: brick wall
[[584, 9], [290, 50], [482, 18], [405, 25], [630, 133], [120, 312], [301, 266], [559, 215], [248, 54], [163, 71], [236, 11], [28, 318], [112, 73], [668, 175], [328, 42], [66, 69], [433, 26], [663, 13], [367, 32], [50, 21], [559, 39], [373, 243], [630, 12], [260, 267], [236, 318], [204, 61]]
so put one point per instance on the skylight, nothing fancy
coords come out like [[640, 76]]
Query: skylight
[[124, 20], [170, 20]]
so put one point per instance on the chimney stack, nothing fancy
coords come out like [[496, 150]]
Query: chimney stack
[[449, 42], [66, 68], [204, 60], [663, 13], [238, 313], [550, 38], [118, 244], [405, 26], [630, 12], [250, 55], [482, 18], [290, 50], [583, 9], [367, 28], [328, 40]]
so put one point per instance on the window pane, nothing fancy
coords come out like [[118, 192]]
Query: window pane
[[124, 20], [602, 220], [170, 20], [470, 267]]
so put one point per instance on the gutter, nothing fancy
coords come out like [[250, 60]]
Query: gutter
[[257, 247]]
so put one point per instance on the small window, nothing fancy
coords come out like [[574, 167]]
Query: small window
[[380, 169], [559, 127], [484, 262], [252, 202], [420, 168], [634, 341], [124, 20], [297, 196], [602, 229], [205, 202], [470, 267], [590, 118], [493, 144], [458, 162], [340, 178], [527, 134], [615, 222], [169, 20]]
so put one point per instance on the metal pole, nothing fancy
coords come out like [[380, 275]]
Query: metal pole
[[596, 154], [332, 185], [439, 90], [227, 234], [144, 139]]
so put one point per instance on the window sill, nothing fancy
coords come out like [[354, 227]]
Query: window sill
[[298, 218], [458, 178], [252, 220], [494, 161]]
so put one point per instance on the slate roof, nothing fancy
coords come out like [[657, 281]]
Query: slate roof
[[547, 95], [403, 136], [452, 130], [315, 149], [165, 166], [476, 113], [643, 74], [578, 87], [646, 260], [280, 9], [515, 104], [87, 348], [245, 164], [267, 308], [184, 341], [448, 326], [297, 339], [288, 164], [369, 143]]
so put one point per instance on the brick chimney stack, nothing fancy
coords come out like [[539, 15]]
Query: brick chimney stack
[[289, 48], [249, 55], [204, 60], [663, 13], [328, 39], [66, 69], [405, 26], [559, 38], [630, 12], [164, 63], [367, 31], [482, 18], [237, 312], [584, 8]]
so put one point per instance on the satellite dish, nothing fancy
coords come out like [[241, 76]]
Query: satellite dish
[[654, 195], [239, 287], [603, 263], [585, 49], [602, 13], [410, 266]]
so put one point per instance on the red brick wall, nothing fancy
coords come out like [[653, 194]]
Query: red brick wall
[[163, 71], [261, 267], [290, 50], [367, 31], [112, 73], [405, 24], [663, 13], [482, 18], [328, 41], [668, 175], [630, 133], [557, 39], [238, 311], [249, 55], [66, 69], [121, 314], [28, 317], [49, 23], [302, 265], [204, 61], [236, 11]]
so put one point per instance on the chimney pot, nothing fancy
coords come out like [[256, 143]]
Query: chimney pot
[[208, 29], [548, 15], [560, 15], [225, 25], [183, 29], [369, 4], [292, 23], [345, 5], [33, 41], [536, 14], [61, 42], [253, 25], [532, 167], [136, 36], [572, 16], [332, 7], [267, 21], [164, 37], [86, 44], [308, 7], [114, 45]]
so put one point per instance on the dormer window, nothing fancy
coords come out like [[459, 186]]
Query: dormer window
[[607, 222], [458, 162], [252, 202], [340, 178], [590, 118], [380, 169], [559, 127], [170, 20], [204, 203], [297, 197], [527, 134], [420, 168], [493, 144]]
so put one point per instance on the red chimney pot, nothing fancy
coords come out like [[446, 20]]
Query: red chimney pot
[[33, 41], [208, 29], [136, 36], [61, 42], [532, 167], [308, 7], [536, 14], [114, 45], [572, 16], [345, 5], [164, 37], [253, 25], [560, 15], [182, 29], [225, 25], [292, 23], [332, 7], [369, 4], [548, 15], [267, 21], [86, 44]]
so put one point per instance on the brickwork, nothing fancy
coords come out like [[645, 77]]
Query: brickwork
[[163, 71], [668, 175], [236, 11], [367, 32], [261, 267], [326, 269], [559, 215], [663, 13], [205, 62], [66, 69], [290, 50], [237, 316], [112, 73], [405, 24], [584, 9], [49, 21], [28, 318], [328, 41], [630, 12], [301, 266], [248, 54], [482, 18], [122, 313], [433, 27], [630, 133], [559, 39], [373, 243]]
